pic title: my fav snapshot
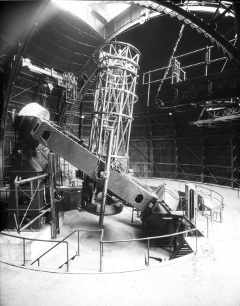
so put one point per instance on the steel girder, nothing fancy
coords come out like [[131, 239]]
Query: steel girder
[[176, 11]]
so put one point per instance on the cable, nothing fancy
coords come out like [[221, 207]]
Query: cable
[[22, 91], [170, 61]]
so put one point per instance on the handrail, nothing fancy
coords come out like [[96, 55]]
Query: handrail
[[182, 217], [196, 209], [211, 194], [157, 80], [172, 194], [206, 62], [63, 240], [142, 239], [101, 244], [31, 239], [47, 240]]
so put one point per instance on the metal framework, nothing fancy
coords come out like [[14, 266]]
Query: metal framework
[[217, 93], [114, 99], [32, 192], [188, 18], [192, 92]]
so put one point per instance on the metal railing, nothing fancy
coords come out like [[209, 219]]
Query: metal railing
[[63, 240], [177, 73], [17, 182], [171, 194], [148, 79], [195, 219], [179, 198], [34, 239], [211, 193], [101, 241], [148, 239], [58, 243]]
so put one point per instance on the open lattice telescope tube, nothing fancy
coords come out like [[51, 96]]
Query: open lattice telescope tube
[[113, 100]]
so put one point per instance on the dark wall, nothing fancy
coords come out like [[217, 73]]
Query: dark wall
[[164, 144]]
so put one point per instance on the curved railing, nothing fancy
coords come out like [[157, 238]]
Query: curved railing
[[101, 242], [63, 240], [35, 239], [172, 194], [211, 194], [148, 239]]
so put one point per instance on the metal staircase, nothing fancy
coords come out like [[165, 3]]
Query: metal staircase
[[182, 248], [79, 99]]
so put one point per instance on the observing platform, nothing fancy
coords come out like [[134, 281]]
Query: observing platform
[[126, 278]]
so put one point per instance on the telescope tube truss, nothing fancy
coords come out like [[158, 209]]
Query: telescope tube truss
[[114, 98]]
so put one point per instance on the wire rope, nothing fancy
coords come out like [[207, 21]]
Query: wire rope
[[170, 60], [23, 91]]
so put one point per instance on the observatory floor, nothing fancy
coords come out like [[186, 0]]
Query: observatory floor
[[118, 256], [210, 277]]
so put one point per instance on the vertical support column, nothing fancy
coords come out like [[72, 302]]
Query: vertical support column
[[203, 156], [106, 175], [150, 144], [234, 159], [17, 208], [149, 85], [1, 162], [176, 147], [80, 120], [236, 8], [151, 153], [236, 162], [175, 75], [176, 159], [52, 198], [207, 59]]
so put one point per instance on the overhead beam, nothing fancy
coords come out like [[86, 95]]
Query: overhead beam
[[196, 23], [218, 17], [212, 120]]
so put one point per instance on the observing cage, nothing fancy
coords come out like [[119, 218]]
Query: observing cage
[[114, 99]]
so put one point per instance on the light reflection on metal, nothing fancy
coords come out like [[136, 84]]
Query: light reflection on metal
[[114, 99], [217, 115]]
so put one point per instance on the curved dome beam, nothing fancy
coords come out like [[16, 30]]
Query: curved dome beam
[[195, 22]]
